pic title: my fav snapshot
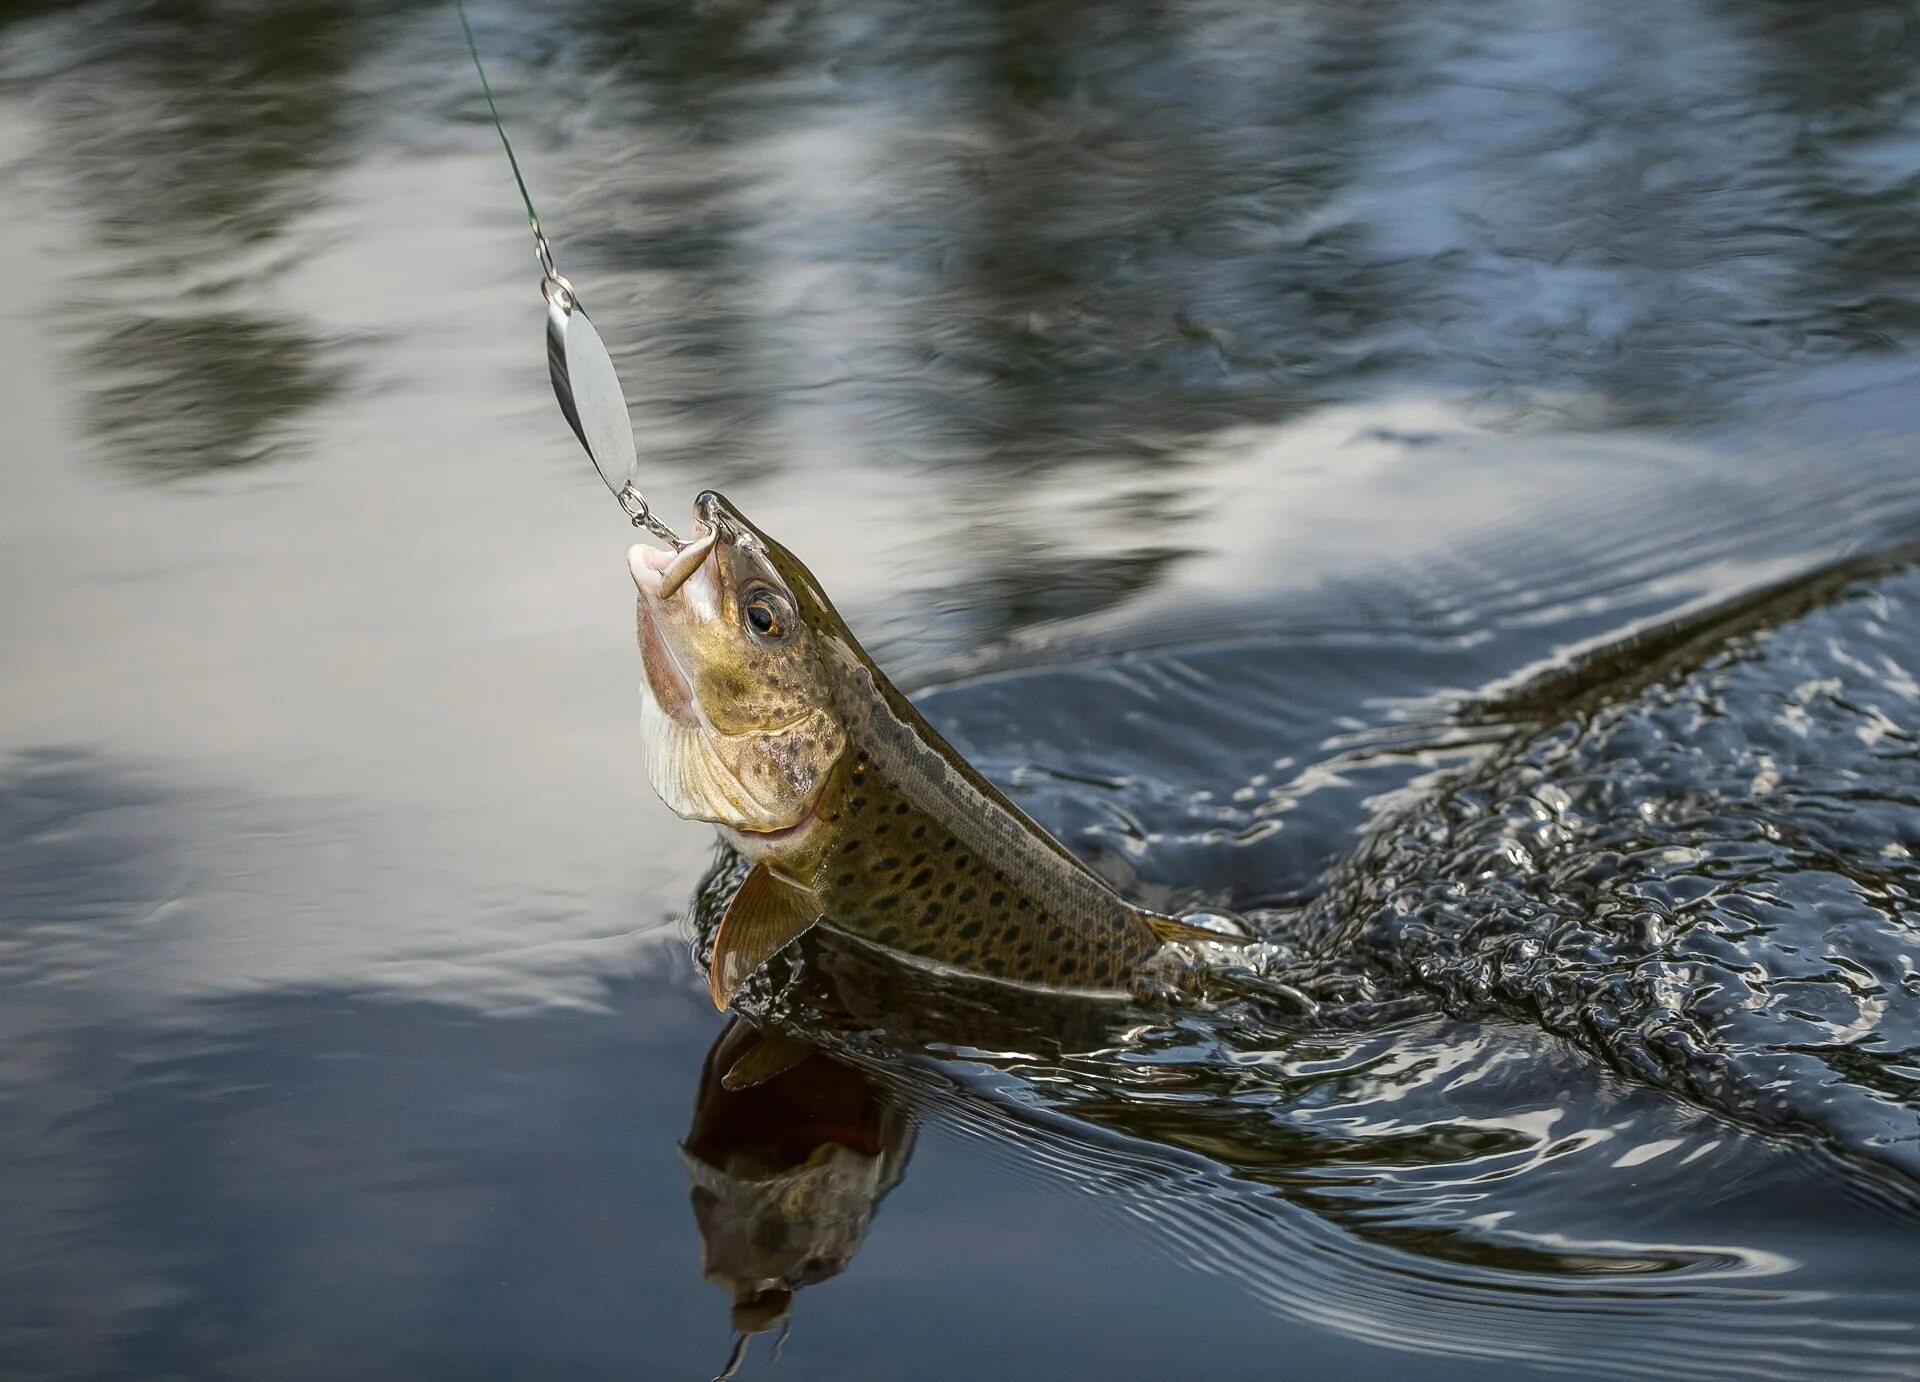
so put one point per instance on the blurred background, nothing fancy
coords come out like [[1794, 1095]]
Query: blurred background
[[1387, 350]]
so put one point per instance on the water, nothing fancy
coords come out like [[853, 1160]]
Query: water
[[1433, 479]]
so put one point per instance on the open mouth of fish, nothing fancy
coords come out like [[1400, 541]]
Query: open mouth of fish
[[660, 574], [670, 684]]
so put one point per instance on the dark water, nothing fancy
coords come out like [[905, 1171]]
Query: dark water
[[1435, 479]]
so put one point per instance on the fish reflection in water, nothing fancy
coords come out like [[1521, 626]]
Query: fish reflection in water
[[788, 1163]]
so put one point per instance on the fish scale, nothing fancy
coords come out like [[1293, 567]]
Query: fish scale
[[908, 828], [893, 874]]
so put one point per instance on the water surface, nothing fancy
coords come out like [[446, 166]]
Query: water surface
[[1433, 479]]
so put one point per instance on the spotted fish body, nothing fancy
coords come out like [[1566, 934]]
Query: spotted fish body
[[914, 856], [858, 815]]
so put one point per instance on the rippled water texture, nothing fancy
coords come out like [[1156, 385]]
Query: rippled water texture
[[1436, 480]]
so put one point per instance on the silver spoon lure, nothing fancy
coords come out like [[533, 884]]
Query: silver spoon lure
[[584, 379]]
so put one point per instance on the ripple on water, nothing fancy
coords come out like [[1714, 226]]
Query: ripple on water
[[1410, 1184], [1698, 859]]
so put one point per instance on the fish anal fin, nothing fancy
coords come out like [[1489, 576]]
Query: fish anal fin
[[770, 1055], [1167, 929], [766, 913]]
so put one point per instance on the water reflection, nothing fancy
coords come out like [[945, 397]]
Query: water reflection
[[1024, 313], [790, 1153], [1011, 237], [1388, 1180], [200, 138], [186, 395]]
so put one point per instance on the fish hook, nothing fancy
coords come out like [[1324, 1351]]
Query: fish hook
[[686, 562]]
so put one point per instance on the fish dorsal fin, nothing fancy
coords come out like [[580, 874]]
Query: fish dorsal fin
[[1167, 929], [766, 913], [770, 1054]]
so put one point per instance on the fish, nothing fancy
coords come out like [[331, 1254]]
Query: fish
[[763, 715]]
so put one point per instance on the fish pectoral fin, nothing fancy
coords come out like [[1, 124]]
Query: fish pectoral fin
[[770, 1055], [1167, 929], [766, 913]]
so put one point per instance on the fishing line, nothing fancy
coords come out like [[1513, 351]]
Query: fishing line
[[486, 88], [584, 379]]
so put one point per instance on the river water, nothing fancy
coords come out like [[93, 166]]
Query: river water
[[1436, 480]]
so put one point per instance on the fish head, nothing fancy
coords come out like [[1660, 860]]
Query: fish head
[[740, 725]]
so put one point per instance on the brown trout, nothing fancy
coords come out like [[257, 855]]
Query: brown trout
[[763, 715]]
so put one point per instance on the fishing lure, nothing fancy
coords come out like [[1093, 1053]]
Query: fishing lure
[[584, 379]]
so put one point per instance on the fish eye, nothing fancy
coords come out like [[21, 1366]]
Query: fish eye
[[768, 613]]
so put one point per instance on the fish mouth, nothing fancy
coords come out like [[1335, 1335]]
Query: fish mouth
[[646, 563], [667, 681], [659, 573]]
